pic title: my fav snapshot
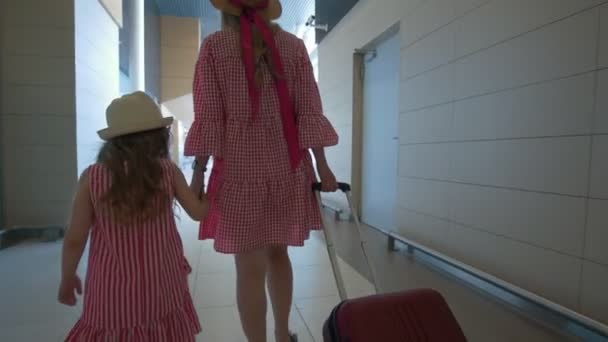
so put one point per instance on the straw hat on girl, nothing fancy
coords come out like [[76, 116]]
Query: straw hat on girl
[[133, 113]]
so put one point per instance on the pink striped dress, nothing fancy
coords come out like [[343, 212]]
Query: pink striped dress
[[136, 286], [257, 199]]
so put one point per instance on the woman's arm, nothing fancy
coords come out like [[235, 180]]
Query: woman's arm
[[75, 241], [206, 135], [197, 183], [195, 206], [328, 180]]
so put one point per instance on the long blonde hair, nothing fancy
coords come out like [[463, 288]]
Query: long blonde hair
[[261, 53]]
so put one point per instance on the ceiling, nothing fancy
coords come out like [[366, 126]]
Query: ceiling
[[295, 12]]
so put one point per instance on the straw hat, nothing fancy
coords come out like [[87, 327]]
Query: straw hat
[[271, 12], [133, 113]]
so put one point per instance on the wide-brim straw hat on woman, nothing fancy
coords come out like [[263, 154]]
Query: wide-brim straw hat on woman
[[133, 113], [269, 9]]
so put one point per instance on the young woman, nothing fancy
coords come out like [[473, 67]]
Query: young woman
[[258, 113]]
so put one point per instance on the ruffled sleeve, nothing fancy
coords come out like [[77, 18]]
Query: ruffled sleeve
[[314, 130], [206, 136]]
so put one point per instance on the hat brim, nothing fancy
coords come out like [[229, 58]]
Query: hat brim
[[113, 132], [273, 11]]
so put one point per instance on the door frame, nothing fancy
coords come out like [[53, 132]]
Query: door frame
[[359, 56]]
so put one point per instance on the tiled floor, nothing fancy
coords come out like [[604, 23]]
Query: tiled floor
[[30, 272], [30, 275]]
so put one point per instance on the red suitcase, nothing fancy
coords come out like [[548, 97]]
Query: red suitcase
[[420, 315]]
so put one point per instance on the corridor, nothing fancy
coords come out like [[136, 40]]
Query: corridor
[[30, 312], [474, 129]]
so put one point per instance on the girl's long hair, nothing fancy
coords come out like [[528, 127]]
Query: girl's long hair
[[262, 55], [134, 162]]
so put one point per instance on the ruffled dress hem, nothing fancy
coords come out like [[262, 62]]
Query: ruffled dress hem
[[180, 325]]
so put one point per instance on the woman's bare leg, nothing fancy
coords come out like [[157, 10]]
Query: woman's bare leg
[[251, 294], [280, 288]]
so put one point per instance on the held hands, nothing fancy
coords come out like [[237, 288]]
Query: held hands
[[197, 184], [328, 179], [69, 287]]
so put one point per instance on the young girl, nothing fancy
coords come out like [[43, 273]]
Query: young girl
[[136, 286]]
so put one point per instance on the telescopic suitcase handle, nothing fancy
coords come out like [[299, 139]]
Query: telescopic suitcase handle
[[344, 187]]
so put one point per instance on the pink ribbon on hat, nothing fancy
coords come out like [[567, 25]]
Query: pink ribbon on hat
[[249, 17]]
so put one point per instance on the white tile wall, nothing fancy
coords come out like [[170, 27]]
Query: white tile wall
[[49, 100], [495, 22], [603, 53], [424, 229], [596, 239], [90, 121], [98, 21], [599, 167], [434, 50], [431, 161], [557, 165], [26, 186], [563, 107], [594, 299], [56, 160], [96, 79], [431, 88], [465, 6], [548, 221], [39, 41], [601, 110], [97, 75], [37, 111], [429, 16], [59, 13], [431, 124], [40, 70], [98, 54], [521, 264], [512, 108], [565, 48], [32, 130], [424, 196], [47, 213], [27, 178]]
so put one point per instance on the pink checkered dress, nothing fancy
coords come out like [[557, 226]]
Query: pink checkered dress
[[257, 199]]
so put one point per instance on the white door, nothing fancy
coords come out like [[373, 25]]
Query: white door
[[380, 135]]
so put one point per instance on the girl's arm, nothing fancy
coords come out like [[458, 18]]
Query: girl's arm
[[195, 206], [75, 241]]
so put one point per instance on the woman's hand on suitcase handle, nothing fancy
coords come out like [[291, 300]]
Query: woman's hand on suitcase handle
[[328, 179]]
